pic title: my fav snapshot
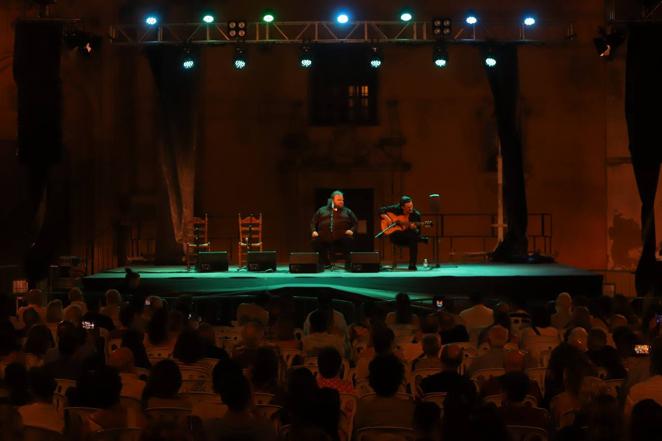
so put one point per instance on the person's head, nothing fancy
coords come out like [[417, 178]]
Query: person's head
[[563, 302], [68, 339], [514, 361], [122, 360], [329, 362], [578, 337], [31, 317], [515, 385], [154, 302], [36, 297], [581, 317], [301, 385], [656, 357], [72, 314], [113, 297], [157, 328], [252, 334], [132, 278], [497, 336], [38, 341], [476, 298], [264, 372], [75, 295], [338, 199], [427, 420], [386, 374], [382, 340], [402, 308], [54, 311], [165, 379], [451, 357], [236, 394], [127, 314], [319, 321], [596, 340], [133, 340], [646, 421], [189, 347], [224, 371], [407, 204], [540, 317], [625, 339], [42, 384], [430, 345], [430, 324], [503, 308]]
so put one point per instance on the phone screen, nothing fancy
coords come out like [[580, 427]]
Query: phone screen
[[642, 349], [88, 325]]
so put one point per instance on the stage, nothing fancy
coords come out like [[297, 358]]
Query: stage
[[532, 281]]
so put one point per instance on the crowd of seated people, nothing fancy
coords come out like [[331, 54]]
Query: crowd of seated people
[[82, 367]]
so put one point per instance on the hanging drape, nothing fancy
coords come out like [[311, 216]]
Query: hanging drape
[[643, 112], [504, 84]]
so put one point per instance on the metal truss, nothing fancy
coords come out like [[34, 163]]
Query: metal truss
[[298, 32]]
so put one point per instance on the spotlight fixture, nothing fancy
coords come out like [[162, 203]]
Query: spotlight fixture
[[237, 29], [607, 42], [188, 60], [490, 61], [306, 57], [471, 19], [406, 16], [208, 18], [375, 58], [529, 21], [440, 55], [268, 17], [239, 60], [342, 18], [86, 43], [151, 20], [442, 26]]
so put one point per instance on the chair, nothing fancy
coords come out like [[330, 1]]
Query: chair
[[348, 406], [417, 376], [290, 356], [122, 434], [178, 415], [196, 238], [527, 433], [482, 375], [567, 418], [263, 398], [496, 399], [398, 395], [131, 403], [201, 397], [271, 412], [74, 418], [196, 386], [385, 433], [538, 375], [31, 433], [60, 394], [250, 236], [436, 397], [207, 410]]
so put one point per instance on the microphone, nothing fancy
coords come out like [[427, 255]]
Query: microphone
[[333, 208]]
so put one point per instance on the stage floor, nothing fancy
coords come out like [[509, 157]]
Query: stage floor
[[535, 281]]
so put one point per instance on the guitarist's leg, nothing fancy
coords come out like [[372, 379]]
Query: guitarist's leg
[[408, 239]]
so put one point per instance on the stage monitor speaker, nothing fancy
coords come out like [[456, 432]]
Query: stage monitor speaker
[[261, 261], [305, 263], [364, 262], [212, 261]]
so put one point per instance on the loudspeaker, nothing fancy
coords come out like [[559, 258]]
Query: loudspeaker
[[305, 263], [364, 262], [212, 261], [261, 261]]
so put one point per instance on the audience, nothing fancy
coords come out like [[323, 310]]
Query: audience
[[329, 363], [451, 359], [254, 312], [41, 412], [650, 389], [493, 358], [319, 336], [514, 411], [162, 388], [336, 323]]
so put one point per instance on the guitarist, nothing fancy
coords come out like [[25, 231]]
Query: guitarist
[[333, 227], [409, 233]]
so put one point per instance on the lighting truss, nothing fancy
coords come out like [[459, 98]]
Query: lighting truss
[[298, 32]]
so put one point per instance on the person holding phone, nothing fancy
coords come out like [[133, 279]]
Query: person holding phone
[[333, 228]]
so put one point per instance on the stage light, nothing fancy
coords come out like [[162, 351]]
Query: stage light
[[490, 61], [208, 18], [440, 55], [306, 57], [239, 61], [151, 20], [86, 43], [342, 18], [606, 43], [188, 63], [529, 21], [375, 58], [268, 17], [442, 26], [237, 29], [471, 19], [406, 16], [188, 59]]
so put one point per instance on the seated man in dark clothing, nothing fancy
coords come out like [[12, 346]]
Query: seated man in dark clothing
[[332, 228], [513, 361], [451, 358], [514, 412], [408, 234]]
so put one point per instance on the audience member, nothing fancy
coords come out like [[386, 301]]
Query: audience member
[[255, 311], [252, 336], [319, 336], [603, 356], [652, 387], [94, 316], [38, 342], [646, 421], [35, 301], [133, 340], [329, 363], [336, 323], [159, 341], [429, 359], [41, 412], [403, 321], [492, 359], [514, 411], [113, 304], [75, 296], [451, 359], [208, 336], [264, 372], [513, 361], [427, 421], [563, 306], [162, 388], [122, 360]]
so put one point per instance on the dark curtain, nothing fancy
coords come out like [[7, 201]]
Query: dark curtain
[[37, 49], [643, 112], [504, 83], [177, 90]]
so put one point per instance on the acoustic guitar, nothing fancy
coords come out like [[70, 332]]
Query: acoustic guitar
[[397, 222]]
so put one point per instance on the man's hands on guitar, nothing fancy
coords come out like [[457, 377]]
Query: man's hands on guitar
[[315, 234], [349, 233]]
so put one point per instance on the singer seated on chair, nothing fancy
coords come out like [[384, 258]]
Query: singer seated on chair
[[402, 222], [332, 228]]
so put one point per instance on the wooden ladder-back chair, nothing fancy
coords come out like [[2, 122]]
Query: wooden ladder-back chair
[[196, 239], [250, 236]]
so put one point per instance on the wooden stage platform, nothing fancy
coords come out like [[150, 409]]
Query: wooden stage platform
[[532, 281]]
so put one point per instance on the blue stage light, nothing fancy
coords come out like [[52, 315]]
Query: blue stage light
[[342, 18], [471, 19], [529, 21], [406, 16], [490, 61], [151, 20], [208, 18]]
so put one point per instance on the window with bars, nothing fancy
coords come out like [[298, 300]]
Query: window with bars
[[343, 87]]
